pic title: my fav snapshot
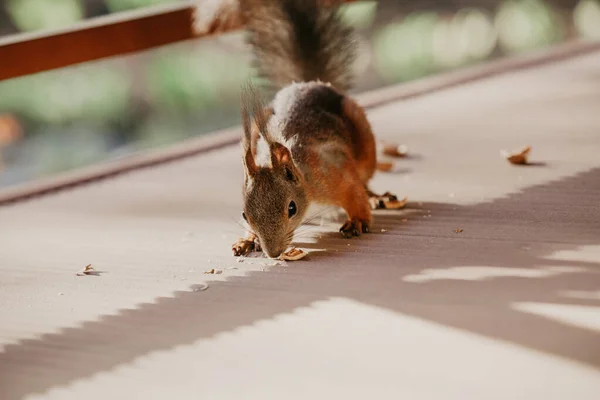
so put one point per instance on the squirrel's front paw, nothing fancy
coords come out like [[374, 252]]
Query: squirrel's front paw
[[354, 228], [243, 246]]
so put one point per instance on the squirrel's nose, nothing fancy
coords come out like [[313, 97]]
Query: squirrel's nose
[[273, 253]]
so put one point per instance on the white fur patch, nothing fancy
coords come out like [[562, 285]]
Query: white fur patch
[[263, 156], [275, 127], [286, 99]]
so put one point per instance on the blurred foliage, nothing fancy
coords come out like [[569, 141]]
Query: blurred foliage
[[587, 18], [90, 94], [31, 15], [404, 49], [528, 24], [65, 148], [184, 81], [93, 112], [474, 33], [122, 5], [359, 15]]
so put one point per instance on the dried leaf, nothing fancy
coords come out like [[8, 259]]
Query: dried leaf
[[518, 157], [293, 254], [396, 204], [385, 166], [87, 270], [394, 150]]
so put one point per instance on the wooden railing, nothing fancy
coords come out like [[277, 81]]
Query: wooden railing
[[117, 34]]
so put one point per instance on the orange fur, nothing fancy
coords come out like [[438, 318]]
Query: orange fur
[[362, 138], [345, 186]]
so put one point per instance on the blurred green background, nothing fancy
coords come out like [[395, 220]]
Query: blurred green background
[[64, 119]]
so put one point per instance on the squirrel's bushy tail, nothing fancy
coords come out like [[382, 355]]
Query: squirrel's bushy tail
[[299, 41]]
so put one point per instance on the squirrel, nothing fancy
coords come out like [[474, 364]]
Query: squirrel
[[312, 143]]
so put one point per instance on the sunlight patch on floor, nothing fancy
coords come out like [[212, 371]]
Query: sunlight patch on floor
[[581, 254], [483, 272], [587, 317]]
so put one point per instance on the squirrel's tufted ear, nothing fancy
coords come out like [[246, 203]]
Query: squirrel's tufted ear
[[249, 163], [280, 155], [253, 108], [281, 159]]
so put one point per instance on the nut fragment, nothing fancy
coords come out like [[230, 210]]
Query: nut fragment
[[293, 254], [396, 204], [214, 272], [87, 270], [385, 166], [374, 202], [458, 230], [395, 150], [386, 201], [517, 157]]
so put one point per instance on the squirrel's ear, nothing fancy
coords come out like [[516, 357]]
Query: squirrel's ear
[[249, 163], [281, 159], [280, 155]]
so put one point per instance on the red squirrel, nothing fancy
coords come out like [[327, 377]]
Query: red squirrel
[[312, 142]]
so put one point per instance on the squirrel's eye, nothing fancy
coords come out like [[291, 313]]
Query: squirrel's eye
[[291, 209], [244, 216]]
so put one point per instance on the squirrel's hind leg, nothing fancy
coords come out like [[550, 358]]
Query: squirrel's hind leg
[[361, 138]]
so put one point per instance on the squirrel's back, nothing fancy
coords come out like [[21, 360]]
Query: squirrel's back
[[299, 41]]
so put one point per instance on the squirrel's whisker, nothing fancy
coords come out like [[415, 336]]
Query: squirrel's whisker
[[317, 214]]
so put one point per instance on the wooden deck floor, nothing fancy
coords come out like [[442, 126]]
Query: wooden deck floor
[[507, 308]]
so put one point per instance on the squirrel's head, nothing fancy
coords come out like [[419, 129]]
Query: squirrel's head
[[275, 201]]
